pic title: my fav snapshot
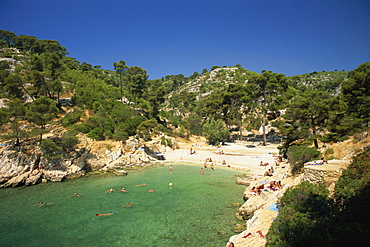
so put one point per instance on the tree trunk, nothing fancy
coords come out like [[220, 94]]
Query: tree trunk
[[315, 142], [264, 129], [240, 126]]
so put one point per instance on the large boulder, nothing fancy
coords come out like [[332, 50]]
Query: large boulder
[[242, 181], [55, 175], [250, 206], [34, 178], [17, 181]]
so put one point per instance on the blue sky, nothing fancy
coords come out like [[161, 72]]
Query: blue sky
[[179, 37]]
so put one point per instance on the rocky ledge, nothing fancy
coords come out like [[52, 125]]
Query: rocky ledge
[[26, 165]]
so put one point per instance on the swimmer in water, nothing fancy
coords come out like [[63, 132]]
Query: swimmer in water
[[127, 205], [42, 204], [140, 185], [123, 190], [110, 190], [104, 214], [201, 171], [78, 195], [150, 190]]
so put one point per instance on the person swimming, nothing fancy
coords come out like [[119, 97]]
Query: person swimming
[[104, 214], [123, 190], [150, 190], [127, 205], [43, 204], [110, 190], [140, 185], [78, 195]]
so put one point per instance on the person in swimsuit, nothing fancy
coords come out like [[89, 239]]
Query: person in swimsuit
[[140, 185], [127, 205], [104, 214]]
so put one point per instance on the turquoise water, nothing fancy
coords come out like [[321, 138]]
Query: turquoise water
[[190, 213]]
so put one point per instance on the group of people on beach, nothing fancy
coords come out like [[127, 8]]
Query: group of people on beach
[[256, 191], [269, 172], [275, 185]]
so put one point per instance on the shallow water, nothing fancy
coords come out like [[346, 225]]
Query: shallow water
[[190, 213]]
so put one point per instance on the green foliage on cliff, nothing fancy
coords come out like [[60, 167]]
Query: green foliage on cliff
[[303, 217], [298, 155], [235, 96], [308, 217]]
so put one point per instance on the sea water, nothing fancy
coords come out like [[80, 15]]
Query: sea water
[[194, 211]]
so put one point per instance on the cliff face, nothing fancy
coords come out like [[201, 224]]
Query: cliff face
[[260, 211], [26, 165]]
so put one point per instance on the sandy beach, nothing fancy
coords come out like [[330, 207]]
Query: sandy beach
[[236, 155]]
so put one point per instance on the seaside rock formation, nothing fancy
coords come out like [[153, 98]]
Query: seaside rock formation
[[26, 165], [327, 173], [250, 206], [242, 181], [33, 179]]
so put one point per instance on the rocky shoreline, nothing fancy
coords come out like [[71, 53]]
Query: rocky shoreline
[[25, 165]]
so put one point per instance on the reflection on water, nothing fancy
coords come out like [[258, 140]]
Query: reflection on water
[[192, 212]]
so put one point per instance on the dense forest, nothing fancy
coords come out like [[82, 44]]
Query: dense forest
[[43, 89]]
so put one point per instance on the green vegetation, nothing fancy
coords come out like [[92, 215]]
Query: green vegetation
[[298, 155], [308, 217], [40, 78], [215, 132]]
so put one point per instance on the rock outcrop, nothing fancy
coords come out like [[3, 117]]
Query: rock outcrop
[[327, 173], [26, 165]]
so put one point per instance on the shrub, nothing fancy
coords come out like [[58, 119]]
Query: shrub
[[120, 135], [352, 195], [215, 132], [82, 128], [96, 134], [166, 142], [193, 124], [303, 218], [332, 138], [298, 155], [146, 128], [329, 151], [71, 118], [69, 140], [51, 149]]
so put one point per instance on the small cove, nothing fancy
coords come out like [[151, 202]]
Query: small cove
[[190, 213]]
